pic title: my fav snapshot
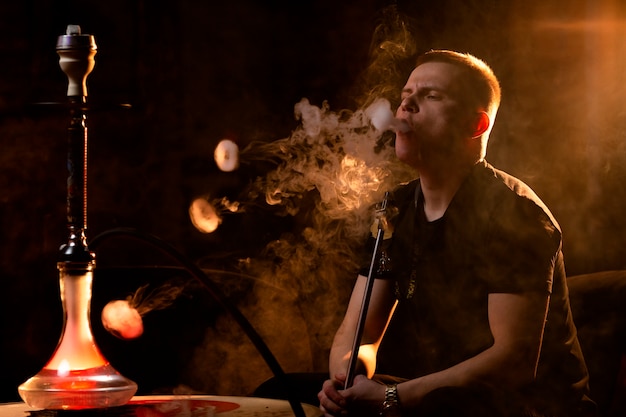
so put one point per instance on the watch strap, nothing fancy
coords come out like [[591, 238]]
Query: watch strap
[[391, 404]]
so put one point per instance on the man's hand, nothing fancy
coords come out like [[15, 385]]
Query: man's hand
[[364, 398], [332, 402]]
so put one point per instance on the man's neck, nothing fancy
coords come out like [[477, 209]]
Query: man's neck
[[439, 188]]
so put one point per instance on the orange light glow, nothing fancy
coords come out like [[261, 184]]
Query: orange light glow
[[78, 385], [64, 368], [77, 348]]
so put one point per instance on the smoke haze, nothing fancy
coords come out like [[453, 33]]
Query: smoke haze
[[326, 176]]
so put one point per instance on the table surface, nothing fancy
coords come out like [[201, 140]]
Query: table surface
[[176, 406]]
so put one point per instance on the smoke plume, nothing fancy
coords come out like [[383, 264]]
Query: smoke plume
[[326, 177]]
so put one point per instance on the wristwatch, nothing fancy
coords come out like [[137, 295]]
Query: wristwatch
[[391, 405]]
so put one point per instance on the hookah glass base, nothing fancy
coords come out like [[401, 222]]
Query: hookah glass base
[[77, 376], [99, 387]]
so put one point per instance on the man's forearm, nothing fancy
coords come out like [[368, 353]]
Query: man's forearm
[[340, 352], [340, 358], [381, 307]]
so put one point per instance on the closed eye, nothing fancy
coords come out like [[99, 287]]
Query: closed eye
[[431, 94]]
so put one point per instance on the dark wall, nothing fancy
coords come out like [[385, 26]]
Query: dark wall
[[196, 72]]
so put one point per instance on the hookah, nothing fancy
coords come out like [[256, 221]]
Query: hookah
[[77, 376]]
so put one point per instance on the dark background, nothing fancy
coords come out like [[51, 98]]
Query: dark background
[[196, 72]]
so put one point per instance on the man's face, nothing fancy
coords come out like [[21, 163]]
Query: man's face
[[432, 105]]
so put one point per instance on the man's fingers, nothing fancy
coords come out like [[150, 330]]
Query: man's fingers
[[331, 399]]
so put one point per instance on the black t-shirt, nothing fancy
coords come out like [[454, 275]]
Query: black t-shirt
[[495, 237]]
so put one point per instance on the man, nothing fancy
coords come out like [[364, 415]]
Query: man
[[474, 309]]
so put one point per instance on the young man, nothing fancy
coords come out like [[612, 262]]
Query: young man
[[473, 317]]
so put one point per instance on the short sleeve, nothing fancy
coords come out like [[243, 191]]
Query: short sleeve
[[521, 248]]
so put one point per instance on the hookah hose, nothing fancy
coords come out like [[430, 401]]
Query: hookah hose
[[222, 300]]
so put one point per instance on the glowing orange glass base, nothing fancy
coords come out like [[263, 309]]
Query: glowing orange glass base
[[77, 376], [90, 388]]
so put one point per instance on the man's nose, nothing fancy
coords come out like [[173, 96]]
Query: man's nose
[[407, 105]]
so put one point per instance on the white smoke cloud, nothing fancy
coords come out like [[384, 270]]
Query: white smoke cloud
[[327, 176], [329, 173]]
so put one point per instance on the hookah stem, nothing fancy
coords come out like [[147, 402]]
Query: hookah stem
[[76, 58], [75, 254], [366, 300], [77, 167]]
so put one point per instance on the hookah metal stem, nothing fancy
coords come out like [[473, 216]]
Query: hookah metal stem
[[366, 299], [77, 169]]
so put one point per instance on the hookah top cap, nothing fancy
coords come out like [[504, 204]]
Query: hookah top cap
[[74, 39]]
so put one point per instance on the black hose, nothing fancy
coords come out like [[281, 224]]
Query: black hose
[[219, 296]]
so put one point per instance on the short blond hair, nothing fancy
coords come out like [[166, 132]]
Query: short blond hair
[[482, 82]]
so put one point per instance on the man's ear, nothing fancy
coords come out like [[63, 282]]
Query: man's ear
[[481, 124]]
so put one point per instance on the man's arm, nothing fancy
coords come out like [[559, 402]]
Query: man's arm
[[517, 323], [381, 307]]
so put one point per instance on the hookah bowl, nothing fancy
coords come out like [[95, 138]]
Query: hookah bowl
[[77, 376]]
